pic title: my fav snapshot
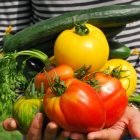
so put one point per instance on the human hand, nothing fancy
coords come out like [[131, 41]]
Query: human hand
[[129, 122], [35, 130]]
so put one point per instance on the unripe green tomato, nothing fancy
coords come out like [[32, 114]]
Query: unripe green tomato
[[24, 111]]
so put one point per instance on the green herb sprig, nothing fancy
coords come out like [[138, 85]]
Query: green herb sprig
[[12, 76]]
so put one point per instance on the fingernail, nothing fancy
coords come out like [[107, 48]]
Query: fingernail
[[51, 127], [78, 137], [39, 117], [38, 122], [74, 137], [12, 124], [66, 134], [90, 137]]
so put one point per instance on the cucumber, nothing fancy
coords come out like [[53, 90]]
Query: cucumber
[[107, 16], [46, 47], [111, 32], [118, 50]]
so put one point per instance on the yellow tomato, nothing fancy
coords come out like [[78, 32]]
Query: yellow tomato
[[125, 72], [76, 50]]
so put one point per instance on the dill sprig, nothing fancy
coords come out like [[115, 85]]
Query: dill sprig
[[14, 78]]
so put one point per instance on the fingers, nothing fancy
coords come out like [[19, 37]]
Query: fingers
[[74, 136], [77, 136], [129, 120], [105, 134], [50, 131], [134, 123], [35, 130], [9, 124], [60, 136]]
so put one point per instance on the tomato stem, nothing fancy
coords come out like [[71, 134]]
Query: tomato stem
[[58, 87], [81, 29], [90, 79], [80, 73], [36, 54], [31, 92], [116, 72]]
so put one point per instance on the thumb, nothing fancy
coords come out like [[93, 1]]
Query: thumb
[[35, 130], [134, 124], [9, 124]]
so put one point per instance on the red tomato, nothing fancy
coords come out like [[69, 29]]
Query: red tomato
[[78, 109], [62, 71], [113, 96]]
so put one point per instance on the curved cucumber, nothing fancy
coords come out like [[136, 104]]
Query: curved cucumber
[[107, 16], [111, 32], [118, 50]]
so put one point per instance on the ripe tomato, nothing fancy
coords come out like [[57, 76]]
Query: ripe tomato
[[113, 96], [125, 72], [78, 50], [63, 71], [78, 109]]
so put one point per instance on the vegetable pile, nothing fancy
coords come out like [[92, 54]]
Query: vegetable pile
[[86, 83], [91, 104]]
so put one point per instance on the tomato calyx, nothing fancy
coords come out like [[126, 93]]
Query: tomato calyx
[[58, 87], [94, 83], [81, 29], [115, 72], [32, 93], [90, 79], [80, 73]]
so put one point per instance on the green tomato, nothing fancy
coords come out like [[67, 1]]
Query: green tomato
[[24, 110]]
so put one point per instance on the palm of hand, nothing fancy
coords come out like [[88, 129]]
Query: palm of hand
[[129, 122]]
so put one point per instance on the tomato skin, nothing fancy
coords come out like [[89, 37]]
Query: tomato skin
[[24, 111], [63, 71], [76, 50], [129, 75], [113, 96], [78, 109]]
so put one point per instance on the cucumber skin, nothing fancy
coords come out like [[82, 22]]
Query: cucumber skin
[[107, 16], [48, 46], [111, 32], [118, 50]]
